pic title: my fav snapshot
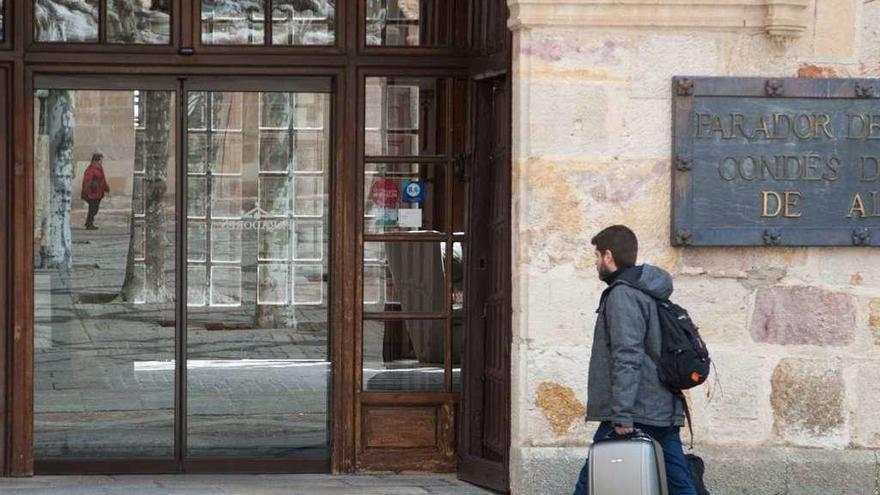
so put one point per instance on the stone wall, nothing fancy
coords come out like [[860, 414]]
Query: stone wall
[[795, 333]]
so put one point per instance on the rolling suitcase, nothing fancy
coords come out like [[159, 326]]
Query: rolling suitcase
[[627, 465]]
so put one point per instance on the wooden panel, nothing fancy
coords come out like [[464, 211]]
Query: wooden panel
[[4, 239], [484, 434], [400, 427]]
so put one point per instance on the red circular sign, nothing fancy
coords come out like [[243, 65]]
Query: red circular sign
[[385, 193]]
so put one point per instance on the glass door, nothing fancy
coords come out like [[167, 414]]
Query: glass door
[[257, 268], [104, 272], [181, 274]]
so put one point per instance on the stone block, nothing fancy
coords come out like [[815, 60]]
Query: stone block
[[660, 56], [803, 315], [545, 471], [864, 402], [829, 40], [844, 472], [808, 398], [732, 407], [744, 471], [557, 372], [857, 267], [874, 320], [719, 307], [560, 53], [574, 119]]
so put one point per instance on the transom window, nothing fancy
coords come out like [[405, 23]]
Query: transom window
[[127, 21]]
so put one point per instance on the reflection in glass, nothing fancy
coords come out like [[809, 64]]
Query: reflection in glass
[[258, 361], [103, 295], [65, 20], [457, 312], [139, 21], [404, 355], [404, 197], [238, 22], [406, 22], [404, 276], [401, 116], [298, 22]]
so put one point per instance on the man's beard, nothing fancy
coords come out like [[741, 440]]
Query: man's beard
[[604, 273]]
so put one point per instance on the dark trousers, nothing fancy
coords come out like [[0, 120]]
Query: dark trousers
[[678, 474], [93, 210]]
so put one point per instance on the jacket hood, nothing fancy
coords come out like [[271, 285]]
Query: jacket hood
[[649, 278]]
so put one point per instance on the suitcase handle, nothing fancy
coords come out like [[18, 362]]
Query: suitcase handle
[[636, 434]]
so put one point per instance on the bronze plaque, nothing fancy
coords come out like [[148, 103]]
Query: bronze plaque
[[776, 162]]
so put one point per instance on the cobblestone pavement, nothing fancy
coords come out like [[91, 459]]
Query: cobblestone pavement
[[300, 484]]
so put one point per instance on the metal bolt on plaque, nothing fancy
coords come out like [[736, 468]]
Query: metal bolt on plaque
[[772, 237], [774, 87], [861, 236]]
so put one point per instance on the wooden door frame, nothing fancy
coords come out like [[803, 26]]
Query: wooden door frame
[[347, 61]]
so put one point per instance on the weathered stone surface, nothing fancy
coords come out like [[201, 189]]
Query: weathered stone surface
[[865, 404], [719, 307], [566, 367], [874, 320], [855, 266], [732, 407], [808, 400], [850, 472], [659, 56], [803, 315], [559, 406], [729, 471], [829, 40]]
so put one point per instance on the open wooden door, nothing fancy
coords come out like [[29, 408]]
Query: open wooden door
[[484, 434]]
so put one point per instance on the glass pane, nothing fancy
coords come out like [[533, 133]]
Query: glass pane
[[258, 333], [144, 22], [295, 22], [61, 20], [402, 116], [404, 355], [404, 197], [237, 22], [407, 22], [104, 277], [404, 276], [458, 314], [275, 195]]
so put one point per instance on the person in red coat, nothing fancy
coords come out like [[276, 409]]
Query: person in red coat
[[94, 187]]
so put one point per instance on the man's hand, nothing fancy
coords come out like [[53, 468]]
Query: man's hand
[[623, 430]]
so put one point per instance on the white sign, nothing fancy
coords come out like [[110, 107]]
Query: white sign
[[410, 218]]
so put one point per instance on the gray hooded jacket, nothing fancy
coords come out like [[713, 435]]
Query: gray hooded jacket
[[624, 387]]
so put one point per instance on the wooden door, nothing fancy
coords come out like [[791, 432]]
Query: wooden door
[[485, 414]]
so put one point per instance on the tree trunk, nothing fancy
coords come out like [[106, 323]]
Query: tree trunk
[[59, 125], [122, 22], [153, 152]]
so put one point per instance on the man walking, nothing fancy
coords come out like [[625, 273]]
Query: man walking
[[94, 186], [624, 389]]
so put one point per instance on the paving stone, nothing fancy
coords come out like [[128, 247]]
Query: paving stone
[[308, 484]]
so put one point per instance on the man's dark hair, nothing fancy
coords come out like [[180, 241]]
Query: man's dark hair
[[621, 241], [97, 157]]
